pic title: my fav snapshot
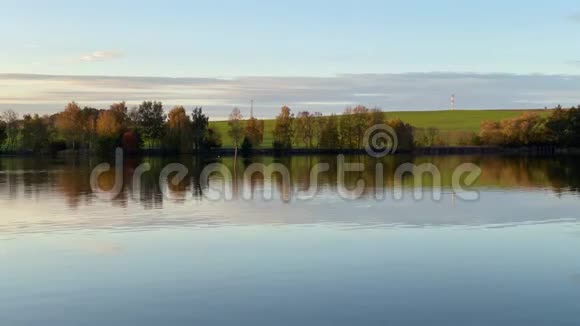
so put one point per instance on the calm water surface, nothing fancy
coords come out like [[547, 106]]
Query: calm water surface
[[512, 257]]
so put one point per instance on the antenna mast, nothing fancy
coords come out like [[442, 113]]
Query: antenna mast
[[452, 102]]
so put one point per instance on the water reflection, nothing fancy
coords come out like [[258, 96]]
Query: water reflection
[[69, 258], [55, 193], [30, 178]]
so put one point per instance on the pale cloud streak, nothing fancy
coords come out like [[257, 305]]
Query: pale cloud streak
[[100, 56], [409, 91]]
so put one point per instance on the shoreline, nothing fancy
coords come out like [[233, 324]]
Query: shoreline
[[420, 151]]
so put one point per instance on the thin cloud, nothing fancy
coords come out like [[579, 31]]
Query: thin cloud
[[407, 91], [101, 56]]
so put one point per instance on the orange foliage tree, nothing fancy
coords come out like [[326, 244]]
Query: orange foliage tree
[[180, 130], [69, 125], [254, 131]]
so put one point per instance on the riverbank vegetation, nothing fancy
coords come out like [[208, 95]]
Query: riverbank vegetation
[[148, 127], [560, 128]]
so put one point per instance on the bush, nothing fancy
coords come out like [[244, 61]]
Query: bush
[[246, 147], [211, 140]]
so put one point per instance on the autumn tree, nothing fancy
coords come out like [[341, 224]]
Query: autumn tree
[[490, 133], [304, 128], [527, 129], [254, 131], [179, 130], [109, 125], [236, 130], [150, 120], [88, 122], [199, 128], [283, 129], [329, 135], [69, 124], [376, 117]]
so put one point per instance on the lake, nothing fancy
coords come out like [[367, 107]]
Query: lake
[[311, 245]]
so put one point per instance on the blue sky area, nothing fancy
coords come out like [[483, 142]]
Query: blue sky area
[[286, 41]]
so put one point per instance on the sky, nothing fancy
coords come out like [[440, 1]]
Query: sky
[[311, 55]]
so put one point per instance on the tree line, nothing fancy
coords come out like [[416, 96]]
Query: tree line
[[561, 127], [345, 131], [147, 126], [91, 129]]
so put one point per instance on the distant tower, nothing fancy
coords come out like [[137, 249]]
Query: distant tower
[[452, 102], [251, 108]]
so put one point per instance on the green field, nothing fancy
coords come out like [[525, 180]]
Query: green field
[[449, 123]]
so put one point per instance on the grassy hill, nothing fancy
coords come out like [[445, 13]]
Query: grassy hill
[[449, 123]]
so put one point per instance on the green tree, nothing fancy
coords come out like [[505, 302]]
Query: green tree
[[360, 123], [2, 133], [150, 120], [121, 112], [212, 139], [329, 135], [35, 133], [246, 147], [347, 130], [430, 137], [404, 133], [10, 119], [318, 125], [199, 128]]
